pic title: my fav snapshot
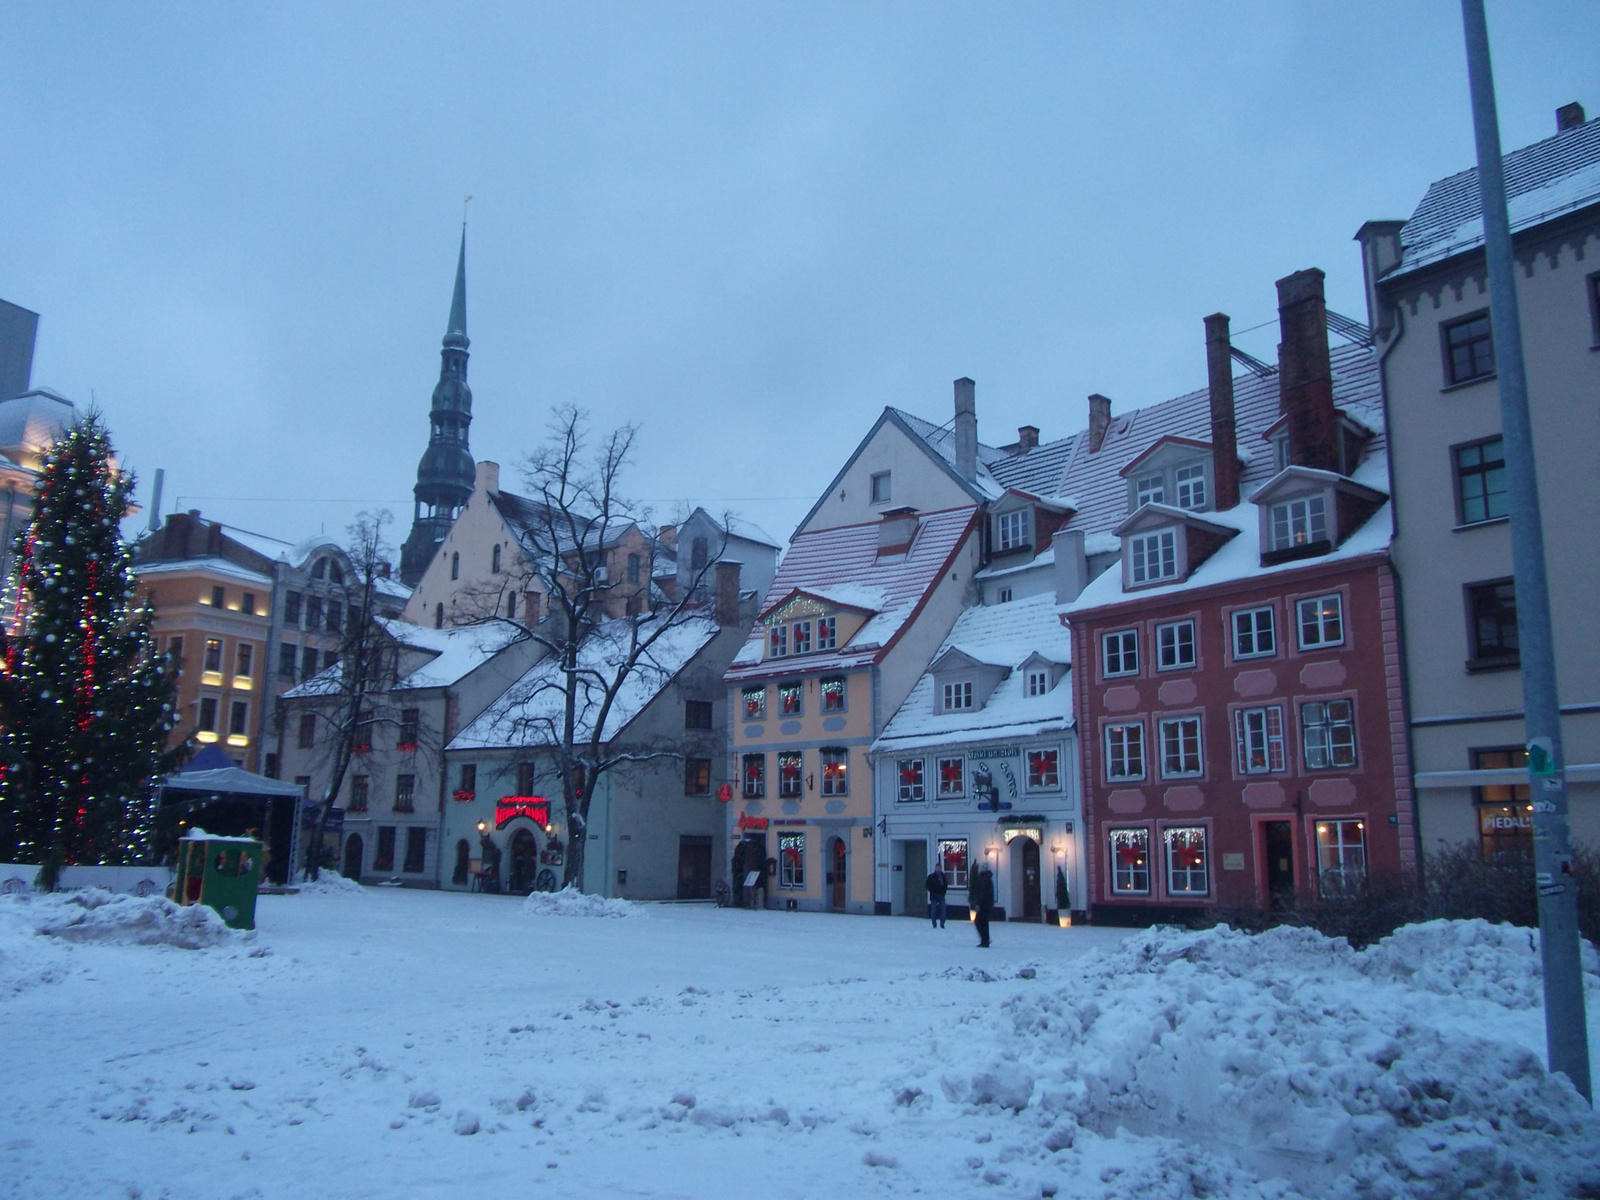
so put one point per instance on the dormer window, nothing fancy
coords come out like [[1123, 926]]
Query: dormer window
[[827, 633], [1038, 682], [957, 696], [1149, 490], [778, 641], [1299, 522], [1154, 556], [1191, 481], [1280, 451], [1012, 529], [800, 637]]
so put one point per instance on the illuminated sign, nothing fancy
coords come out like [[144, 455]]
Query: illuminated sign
[[746, 821], [509, 808]]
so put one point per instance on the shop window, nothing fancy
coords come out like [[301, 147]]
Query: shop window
[[1119, 653], [1258, 736], [833, 694], [1180, 748], [1505, 810], [383, 857], [755, 703], [416, 850], [1124, 752], [835, 772], [912, 788], [1320, 621], [791, 778], [1328, 734], [1044, 770], [1175, 645], [1341, 858], [1130, 862], [755, 776], [953, 776], [953, 858], [792, 860], [1186, 860], [791, 699]]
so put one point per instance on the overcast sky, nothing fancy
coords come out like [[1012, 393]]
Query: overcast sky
[[746, 227]]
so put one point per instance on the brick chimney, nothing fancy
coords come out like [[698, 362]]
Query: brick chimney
[[726, 612], [1224, 438], [1569, 116], [966, 429], [1027, 438], [1099, 421], [1305, 376]]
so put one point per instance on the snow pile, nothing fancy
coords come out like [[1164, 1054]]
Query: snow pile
[[1228, 1058], [100, 916], [331, 883], [569, 902]]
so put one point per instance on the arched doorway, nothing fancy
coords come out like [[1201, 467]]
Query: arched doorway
[[463, 863], [1026, 902], [837, 862], [524, 863], [353, 850]]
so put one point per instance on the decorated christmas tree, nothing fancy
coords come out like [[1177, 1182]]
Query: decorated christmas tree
[[85, 701]]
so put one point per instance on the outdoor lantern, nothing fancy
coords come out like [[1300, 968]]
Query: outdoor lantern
[[482, 827]]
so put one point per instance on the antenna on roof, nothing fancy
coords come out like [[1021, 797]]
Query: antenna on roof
[[1256, 366], [465, 200], [1349, 329]]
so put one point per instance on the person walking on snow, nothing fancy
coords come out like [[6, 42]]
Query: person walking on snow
[[983, 904], [936, 889]]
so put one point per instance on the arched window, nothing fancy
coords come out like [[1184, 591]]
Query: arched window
[[319, 568], [511, 605], [455, 565], [438, 616], [335, 571], [494, 559]]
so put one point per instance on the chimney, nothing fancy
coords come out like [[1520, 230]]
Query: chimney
[[1569, 116], [1224, 438], [155, 500], [1305, 376], [1027, 438], [488, 477], [1380, 250], [667, 535], [966, 430], [1072, 567], [726, 613], [1099, 421], [896, 530]]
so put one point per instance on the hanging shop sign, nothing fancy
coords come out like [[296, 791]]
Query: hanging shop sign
[[755, 824], [509, 808], [725, 793]]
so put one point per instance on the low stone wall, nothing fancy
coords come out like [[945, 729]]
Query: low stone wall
[[136, 881]]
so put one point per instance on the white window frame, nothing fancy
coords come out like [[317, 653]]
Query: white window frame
[[1341, 857], [956, 696], [882, 488], [1183, 880], [797, 690], [825, 689], [915, 791], [1299, 521], [1005, 595], [798, 790], [1189, 486], [955, 877], [1126, 643], [1150, 489], [960, 788], [1180, 737], [1125, 749], [827, 633], [1168, 637], [1259, 744], [1247, 628], [1153, 557], [792, 873], [1327, 740], [835, 783], [778, 641], [1049, 780], [758, 693], [1038, 683], [800, 632], [1011, 530], [1126, 879], [1312, 613]]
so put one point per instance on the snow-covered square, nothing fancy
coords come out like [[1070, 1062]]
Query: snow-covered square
[[391, 1043]]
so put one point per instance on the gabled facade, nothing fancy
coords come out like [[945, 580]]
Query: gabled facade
[[1428, 301]]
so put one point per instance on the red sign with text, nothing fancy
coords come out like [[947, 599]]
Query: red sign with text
[[509, 808]]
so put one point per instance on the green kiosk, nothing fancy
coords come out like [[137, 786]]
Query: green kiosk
[[220, 872]]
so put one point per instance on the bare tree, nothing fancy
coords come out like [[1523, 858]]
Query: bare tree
[[606, 631]]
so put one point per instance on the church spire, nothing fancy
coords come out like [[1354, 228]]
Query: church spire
[[446, 473]]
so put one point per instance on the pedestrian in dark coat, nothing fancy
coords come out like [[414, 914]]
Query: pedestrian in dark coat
[[983, 904], [936, 885]]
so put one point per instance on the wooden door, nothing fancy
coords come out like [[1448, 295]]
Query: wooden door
[[836, 874], [694, 867], [914, 878], [352, 857], [1278, 839], [1031, 910]]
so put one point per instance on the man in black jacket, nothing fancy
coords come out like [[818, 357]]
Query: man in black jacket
[[936, 886], [983, 904]]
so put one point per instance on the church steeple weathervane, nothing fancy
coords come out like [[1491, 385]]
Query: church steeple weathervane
[[445, 474]]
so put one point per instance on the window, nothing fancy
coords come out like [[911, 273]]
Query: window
[[1005, 595], [244, 660], [455, 565], [912, 788], [755, 776], [1012, 528], [1175, 645], [1180, 747], [1038, 682], [953, 858], [291, 609], [239, 718], [1299, 522], [1258, 739], [319, 569], [1492, 625], [527, 775], [511, 606], [438, 616], [827, 628], [835, 772], [697, 777], [1149, 490], [219, 597], [213, 658], [247, 604], [1192, 486], [1341, 858], [1119, 653], [1155, 556], [1253, 635], [335, 571], [791, 779], [1186, 860], [330, 658], [405, 793], [880, 488], [1328, 734], [1124, 751], [286, 657], [791, 699], [1481, 482], [778, 641], [755, 703], [1594, 305], [957, 696], [800, 637], [699, 552], [208, 713], [335, 618], [1505, 811], [1044, 770], [360, 789], [792, 860], [833, 694], [1321, 621], [953, 776], [307, 736], [1130, 862], [269, 766], [416, 850], [633, 568], [697, 714], [313, 612], [383, 856], [1280, 452], [494, 559], [308, 661], [175, 652], [410, 727], [466, 781], [1468, 349]]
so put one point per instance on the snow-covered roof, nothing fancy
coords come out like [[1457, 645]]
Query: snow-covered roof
[[533, 521], [1559, 175], [1045, 559], [1001, 634], [388, 585], [210, 565], [459, 650], [529, 713], [843, 564]]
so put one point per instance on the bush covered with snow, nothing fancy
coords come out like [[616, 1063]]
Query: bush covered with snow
[[100, 916], [569, 902], [330, 883]]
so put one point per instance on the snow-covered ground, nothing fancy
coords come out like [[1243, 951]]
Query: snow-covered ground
[[420, 1044]]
